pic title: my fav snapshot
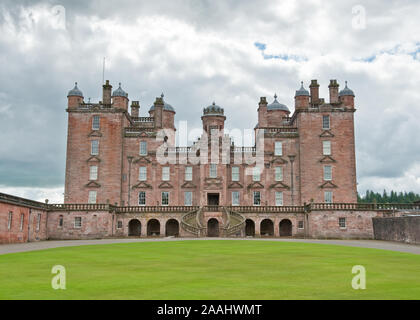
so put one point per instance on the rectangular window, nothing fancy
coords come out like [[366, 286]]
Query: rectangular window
[[256, 174], [279, 173], [60, 222], [38, 222], [22, 220], [165, 198], [328, 197], [326, 122], [92, 197], [78, 222], [188, 173], [235, 174], [326, 148], [143, 148], [94, 148], [342, 223], [257, 198], [143, 174], [188, 198], [119, 224], [95, 123], [279, 199], [9, 221], [213, 170], [165, 173], [300, 224], [142, 198], [278, 149], [327, 173], [235, 198], [93, 173]]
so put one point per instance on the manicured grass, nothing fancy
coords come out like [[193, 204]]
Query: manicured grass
[[210, 270]]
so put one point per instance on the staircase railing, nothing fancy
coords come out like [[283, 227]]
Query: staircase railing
[[236, 228]]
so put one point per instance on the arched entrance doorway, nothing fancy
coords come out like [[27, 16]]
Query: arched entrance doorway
[[134, 228], [172, 228], [249, 228], [213, 228], [267, 228], [153, 228], [285, 228]]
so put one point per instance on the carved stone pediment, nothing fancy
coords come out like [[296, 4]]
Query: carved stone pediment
[[142, 185], [93, 159], [189, 185], [278, 160], [165, 185], [279, 185], [255, 185], [142, 159], [327, 159], [326, 134], [328, 185], [95, 133], [235, 185], [93, 184]]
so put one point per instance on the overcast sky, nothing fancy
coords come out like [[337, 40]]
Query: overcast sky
[[197, 52]]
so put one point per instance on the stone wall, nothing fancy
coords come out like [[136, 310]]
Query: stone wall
[[403, 229]]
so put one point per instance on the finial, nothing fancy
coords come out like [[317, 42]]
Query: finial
[[214, 103], [275, 96], [346, 84], [75, 84], [162, 95], [120, 84], [301, 83]]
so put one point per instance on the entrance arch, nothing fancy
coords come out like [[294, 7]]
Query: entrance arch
[[134, 228], [267, 228], [153, 228], [249, 228], [213, 228], [285, 228], [172, 228]]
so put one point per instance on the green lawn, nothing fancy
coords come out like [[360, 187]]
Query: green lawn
[[210, 270]]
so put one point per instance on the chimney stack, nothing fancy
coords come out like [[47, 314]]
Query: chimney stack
[[314, 92], [158, 113], [106, 95], [334, 91], [262, 113], [135, 109]]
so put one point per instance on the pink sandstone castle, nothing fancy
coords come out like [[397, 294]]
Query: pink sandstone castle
[[126, 177]]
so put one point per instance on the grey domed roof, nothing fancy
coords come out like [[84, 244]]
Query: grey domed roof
[[277, 106], [120, 92], [346, 92], [213, 110], [75, 92], [166, 106], [302, 92]]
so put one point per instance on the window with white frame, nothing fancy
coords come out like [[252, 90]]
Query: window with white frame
[[188, 173], [92, 197], [326, 125], [143, 173], [93, 173], [142, 198], [300, 224], [22, 220], [9, 221], [94, 147], [165, 173], [235, 198], [188, 198], [257, 198], [279, 199], [279, 174], [38, 222], [327, 173], [95, 123], [326, 148], [256, 174], [213, 170], [165, 198], [342, 223], [328, 196], [235, 174], [278, 148], [143, 148], [78, 222]]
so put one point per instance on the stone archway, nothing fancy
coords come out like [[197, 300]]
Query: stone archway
[[285, 228], [213, 228], [249, 228], [153, 228], [267, 228], [134, 228], [172, 228]]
